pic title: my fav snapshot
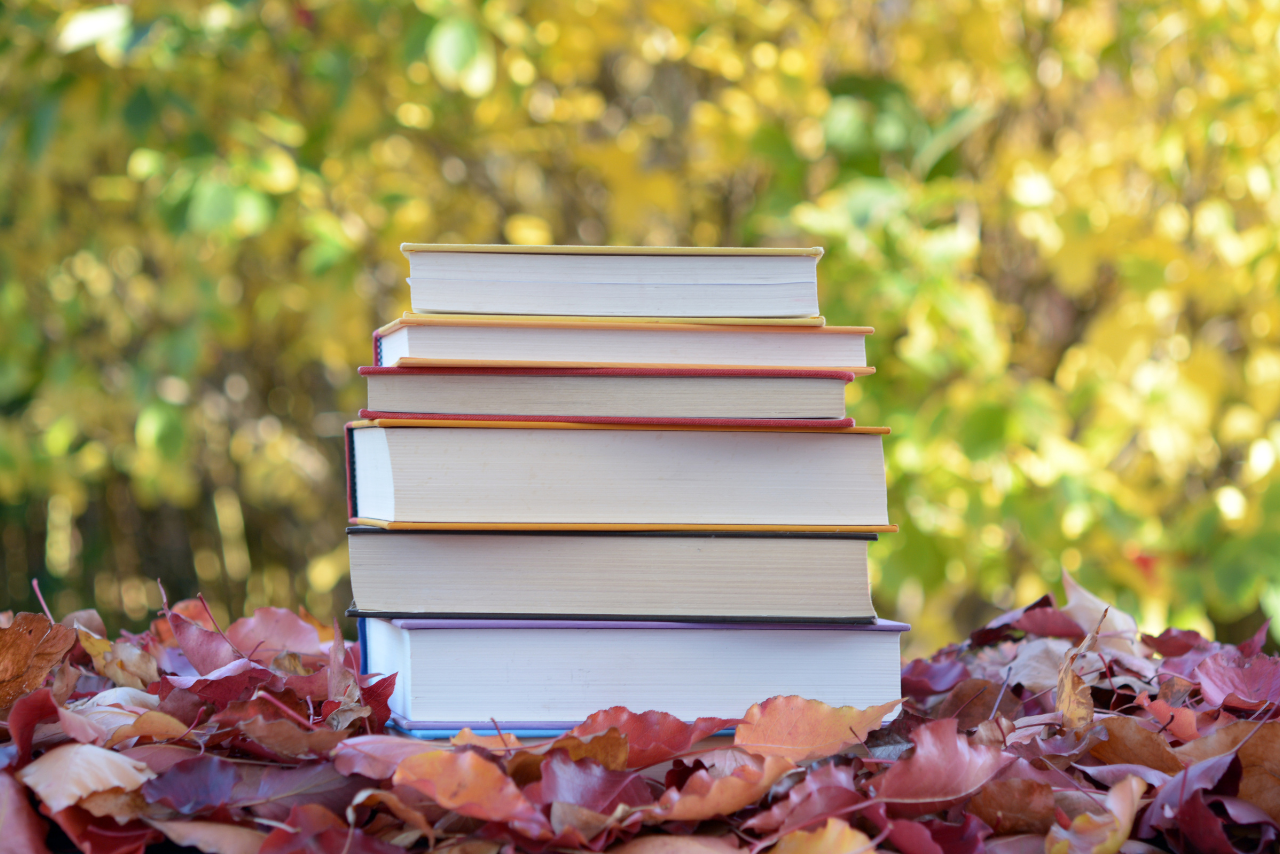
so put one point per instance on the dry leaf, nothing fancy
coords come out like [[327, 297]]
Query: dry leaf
[[68, 773], [800, 730], [834, 836], [29, 648]]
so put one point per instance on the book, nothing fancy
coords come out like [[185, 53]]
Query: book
[[542, 674], [495, 341], [815, 320], [582, 575], [608, 392], [609, 280], [617, 476]]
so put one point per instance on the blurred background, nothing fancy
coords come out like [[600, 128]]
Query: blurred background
[[1061, 218]]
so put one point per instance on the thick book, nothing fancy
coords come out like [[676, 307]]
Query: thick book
[[583, 575], [613, 280], [609, 392], [424, 474], [416, 340], [550, 675]]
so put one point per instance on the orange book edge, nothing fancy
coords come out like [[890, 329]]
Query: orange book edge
[[574, 425], [508, 249], [571, 527], [816, 320], [525, 321]]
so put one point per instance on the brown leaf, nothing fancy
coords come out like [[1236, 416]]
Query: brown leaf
[[154, 725], [29, 649], [588, 823], [666, 844], [972, 702], [212, 837], [500, 741], [1015, 806], [1091, 833], [1074, 700], [393, 802], [471, 785], [121, 662], [736, 780], [834, 836], [653, 737], [70, 772], [285, 738], [117, 804], [800, 729], [1259, 757], [609, 748], [1130, 743]]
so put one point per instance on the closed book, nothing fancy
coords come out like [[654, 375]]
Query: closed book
[[624, 477], [611, 575], [547, 675], [611, 280], [609, 392], [439, 341]]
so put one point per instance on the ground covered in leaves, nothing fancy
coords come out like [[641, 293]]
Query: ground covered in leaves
[[1054, 729]]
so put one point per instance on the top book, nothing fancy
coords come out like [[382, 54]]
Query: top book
[[613, 281]]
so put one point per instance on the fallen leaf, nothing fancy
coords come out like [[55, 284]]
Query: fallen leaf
[[313, 829], [29, 648], [196, 784], [665, 844], [393, 802], [1115, 630], [652, 737], [587, 783], [117, 804], [154, 725], [285, 738], [121, 662], [800, 730], [1129, 742], [272, 631], [23, 830], [501, 741], [272, 791], [974, 701], [377, 756], [1091, 833], [922, 678], [826, 789], [915, 785], [608, 748], [234, 681], [1232, 679], [834, 836], [1073, 700], [102, 835], [208, 651], [68, 773], [1259, 759], [733, 780], [1014, 806], [212, 837], [469, 784]]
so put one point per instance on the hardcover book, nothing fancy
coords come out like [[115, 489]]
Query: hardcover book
[[552, 675], [746, 577], [658, 476], [607, 280]]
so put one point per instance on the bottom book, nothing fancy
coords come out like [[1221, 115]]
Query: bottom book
[[550, 675]]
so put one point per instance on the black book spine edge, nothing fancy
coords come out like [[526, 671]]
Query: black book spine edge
[[358, 613], [791, 535]]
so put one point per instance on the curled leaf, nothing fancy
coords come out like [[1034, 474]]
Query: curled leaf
[[68, 773], [30, 646], [800, 730]]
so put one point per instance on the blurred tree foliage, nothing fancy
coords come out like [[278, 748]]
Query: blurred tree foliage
[[1060, 216]]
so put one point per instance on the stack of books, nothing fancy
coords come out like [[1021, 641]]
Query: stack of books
[[601, 476]]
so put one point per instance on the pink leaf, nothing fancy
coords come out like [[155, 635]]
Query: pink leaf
[[271, 631], [587, 783], [207, 651], [653, 737], [23, 830], [920, 784], [1229, 678]]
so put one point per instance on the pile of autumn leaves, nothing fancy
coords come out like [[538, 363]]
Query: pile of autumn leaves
[[1049, 730]]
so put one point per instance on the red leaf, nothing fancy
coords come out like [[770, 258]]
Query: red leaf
[[24, 830], [734, 779], [270, 792], [193, 785], [207, 651], [653, 737], [922, 679], [1228, 678], [235, 681], [23, 717], [919, 785], [588, 784], [376, 756], [103, 835], [826, 790], [271, 631], [319, 831], [800, 729], [377, 696], [471, 785]]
